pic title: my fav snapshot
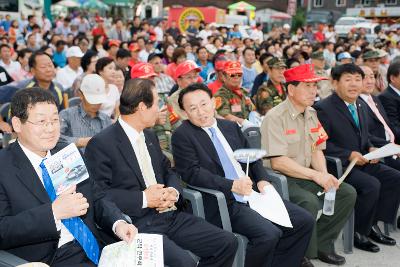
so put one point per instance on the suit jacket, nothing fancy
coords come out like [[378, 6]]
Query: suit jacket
[[198, 163], [391, 103], [112, 160], [27, 226], [375, 127], [343, 134]]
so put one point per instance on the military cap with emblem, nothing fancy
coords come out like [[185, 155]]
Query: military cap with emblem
[[372, 54], [317, 55], [276, 62], [143, 70]]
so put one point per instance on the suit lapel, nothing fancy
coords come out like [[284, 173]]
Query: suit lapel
[[228, 134], [27, 174], [342, 108], [128, 153]]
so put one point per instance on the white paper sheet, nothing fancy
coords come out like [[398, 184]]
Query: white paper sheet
[[146, 250], [385, 151], [270, 206]]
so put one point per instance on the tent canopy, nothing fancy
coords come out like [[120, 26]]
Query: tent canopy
[[241, 6]]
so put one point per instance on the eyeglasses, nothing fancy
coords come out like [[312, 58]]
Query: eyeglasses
[[44, 123], [235, 75]]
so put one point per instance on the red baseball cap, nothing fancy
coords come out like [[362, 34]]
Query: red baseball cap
[[142, 70], [232, 67], [186, 67], [134, 47], [113, 42], [100, 19], [302, 73]]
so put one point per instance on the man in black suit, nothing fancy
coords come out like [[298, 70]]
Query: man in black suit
[[390, 98], [379, 126], [200, 163], [130, 167], [34, 225], [344, 118]]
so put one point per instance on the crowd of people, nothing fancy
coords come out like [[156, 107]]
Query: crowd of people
[[149, 105]]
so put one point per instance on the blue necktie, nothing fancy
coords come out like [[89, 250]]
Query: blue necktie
[[354, 114], [227, 164], [75, 225]]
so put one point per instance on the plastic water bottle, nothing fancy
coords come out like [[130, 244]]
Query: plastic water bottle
[[329, 202]]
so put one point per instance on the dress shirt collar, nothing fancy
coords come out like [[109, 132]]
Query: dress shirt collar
[[207, 129], [348, 104], [129, 130], [34, 158], [83, 113], [294, 113], [365, 97], [395, 89]]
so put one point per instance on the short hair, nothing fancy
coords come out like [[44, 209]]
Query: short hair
[[27, 98], [136, 91], [4, 45], [294, 83], [60, 42], [393, 70], [123, 53], [21, 53], [32, 59], [192, 88], [178, 52], [87, 59], [264, 57], [247, 49], [201, 47], [351, 68], [102, 63]]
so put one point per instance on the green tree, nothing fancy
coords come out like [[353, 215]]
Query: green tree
[[299, 20]]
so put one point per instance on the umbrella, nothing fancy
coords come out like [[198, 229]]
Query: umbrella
[[68, 3], [93, 4], [241, 6], [280, 15]]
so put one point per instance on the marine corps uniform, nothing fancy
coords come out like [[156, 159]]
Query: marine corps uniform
[[233, 102]]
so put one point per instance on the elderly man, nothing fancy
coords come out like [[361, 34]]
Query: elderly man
[[324, 87], [67, 75], [80, 123], [372, 59], [295, 140]]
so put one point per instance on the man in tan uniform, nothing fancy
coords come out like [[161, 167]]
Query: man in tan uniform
[[294, 138]]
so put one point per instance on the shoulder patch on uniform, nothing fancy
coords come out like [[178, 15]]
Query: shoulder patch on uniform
[[218, 102]]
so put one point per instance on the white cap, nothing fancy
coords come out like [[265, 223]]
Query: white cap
[[286, 26], [74, 51], [211, 48], [93, 88]]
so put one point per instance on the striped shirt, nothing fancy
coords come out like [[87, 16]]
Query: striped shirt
[[76, 123]]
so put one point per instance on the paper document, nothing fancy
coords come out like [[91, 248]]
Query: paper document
[[270, 206], [146, 250], [385, 151], [66, 168]]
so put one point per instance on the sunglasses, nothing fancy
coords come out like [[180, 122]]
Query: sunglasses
[[235, 75]]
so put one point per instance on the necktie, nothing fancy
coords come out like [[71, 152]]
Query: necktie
[[354, 114], [373, 107], [75, 225], [147, 169], [227, 164]]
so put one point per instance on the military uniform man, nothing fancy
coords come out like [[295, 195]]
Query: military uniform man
[[372, 59], [272, 92], [231, 101], [295, 140], [324, 87]]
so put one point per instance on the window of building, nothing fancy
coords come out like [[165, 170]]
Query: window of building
[[318, 3], [365, 2], [391, 2], [340, 3]]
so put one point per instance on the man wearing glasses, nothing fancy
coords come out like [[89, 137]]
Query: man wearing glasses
[[231, 101]]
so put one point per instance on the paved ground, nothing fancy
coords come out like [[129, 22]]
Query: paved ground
[[387, 257]]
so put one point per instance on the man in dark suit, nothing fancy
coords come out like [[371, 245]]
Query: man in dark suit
[[390, 98], [344, 118], [132, 170], [200, 162], [35, 224], [379, 126]]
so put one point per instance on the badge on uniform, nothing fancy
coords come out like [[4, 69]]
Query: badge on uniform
[[236, 108], [291, 131], [218, 102], [322, 135]]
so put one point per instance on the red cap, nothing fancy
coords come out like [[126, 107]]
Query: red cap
[[186, 67], [113, 42], [134, 47], [142, 70], [232, 67], [99, 20], [302, 73]]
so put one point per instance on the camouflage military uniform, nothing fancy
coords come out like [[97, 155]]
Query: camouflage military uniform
[[235, 103], [324, 87], [268, 97]]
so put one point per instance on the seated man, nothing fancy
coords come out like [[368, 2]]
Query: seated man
[[129, 166], [295, 140], [35, 224], [344, 117], [203, 151], [80, 123]]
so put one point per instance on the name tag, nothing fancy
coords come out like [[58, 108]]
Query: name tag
[[236, 108], [291, 131]]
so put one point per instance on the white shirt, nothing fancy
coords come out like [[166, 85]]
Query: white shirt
[[143, 55], [13, 68], [257, 35], [112, 100], [66, 76], [133, 135], [35, 160], [159, 34], [226, 146]]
